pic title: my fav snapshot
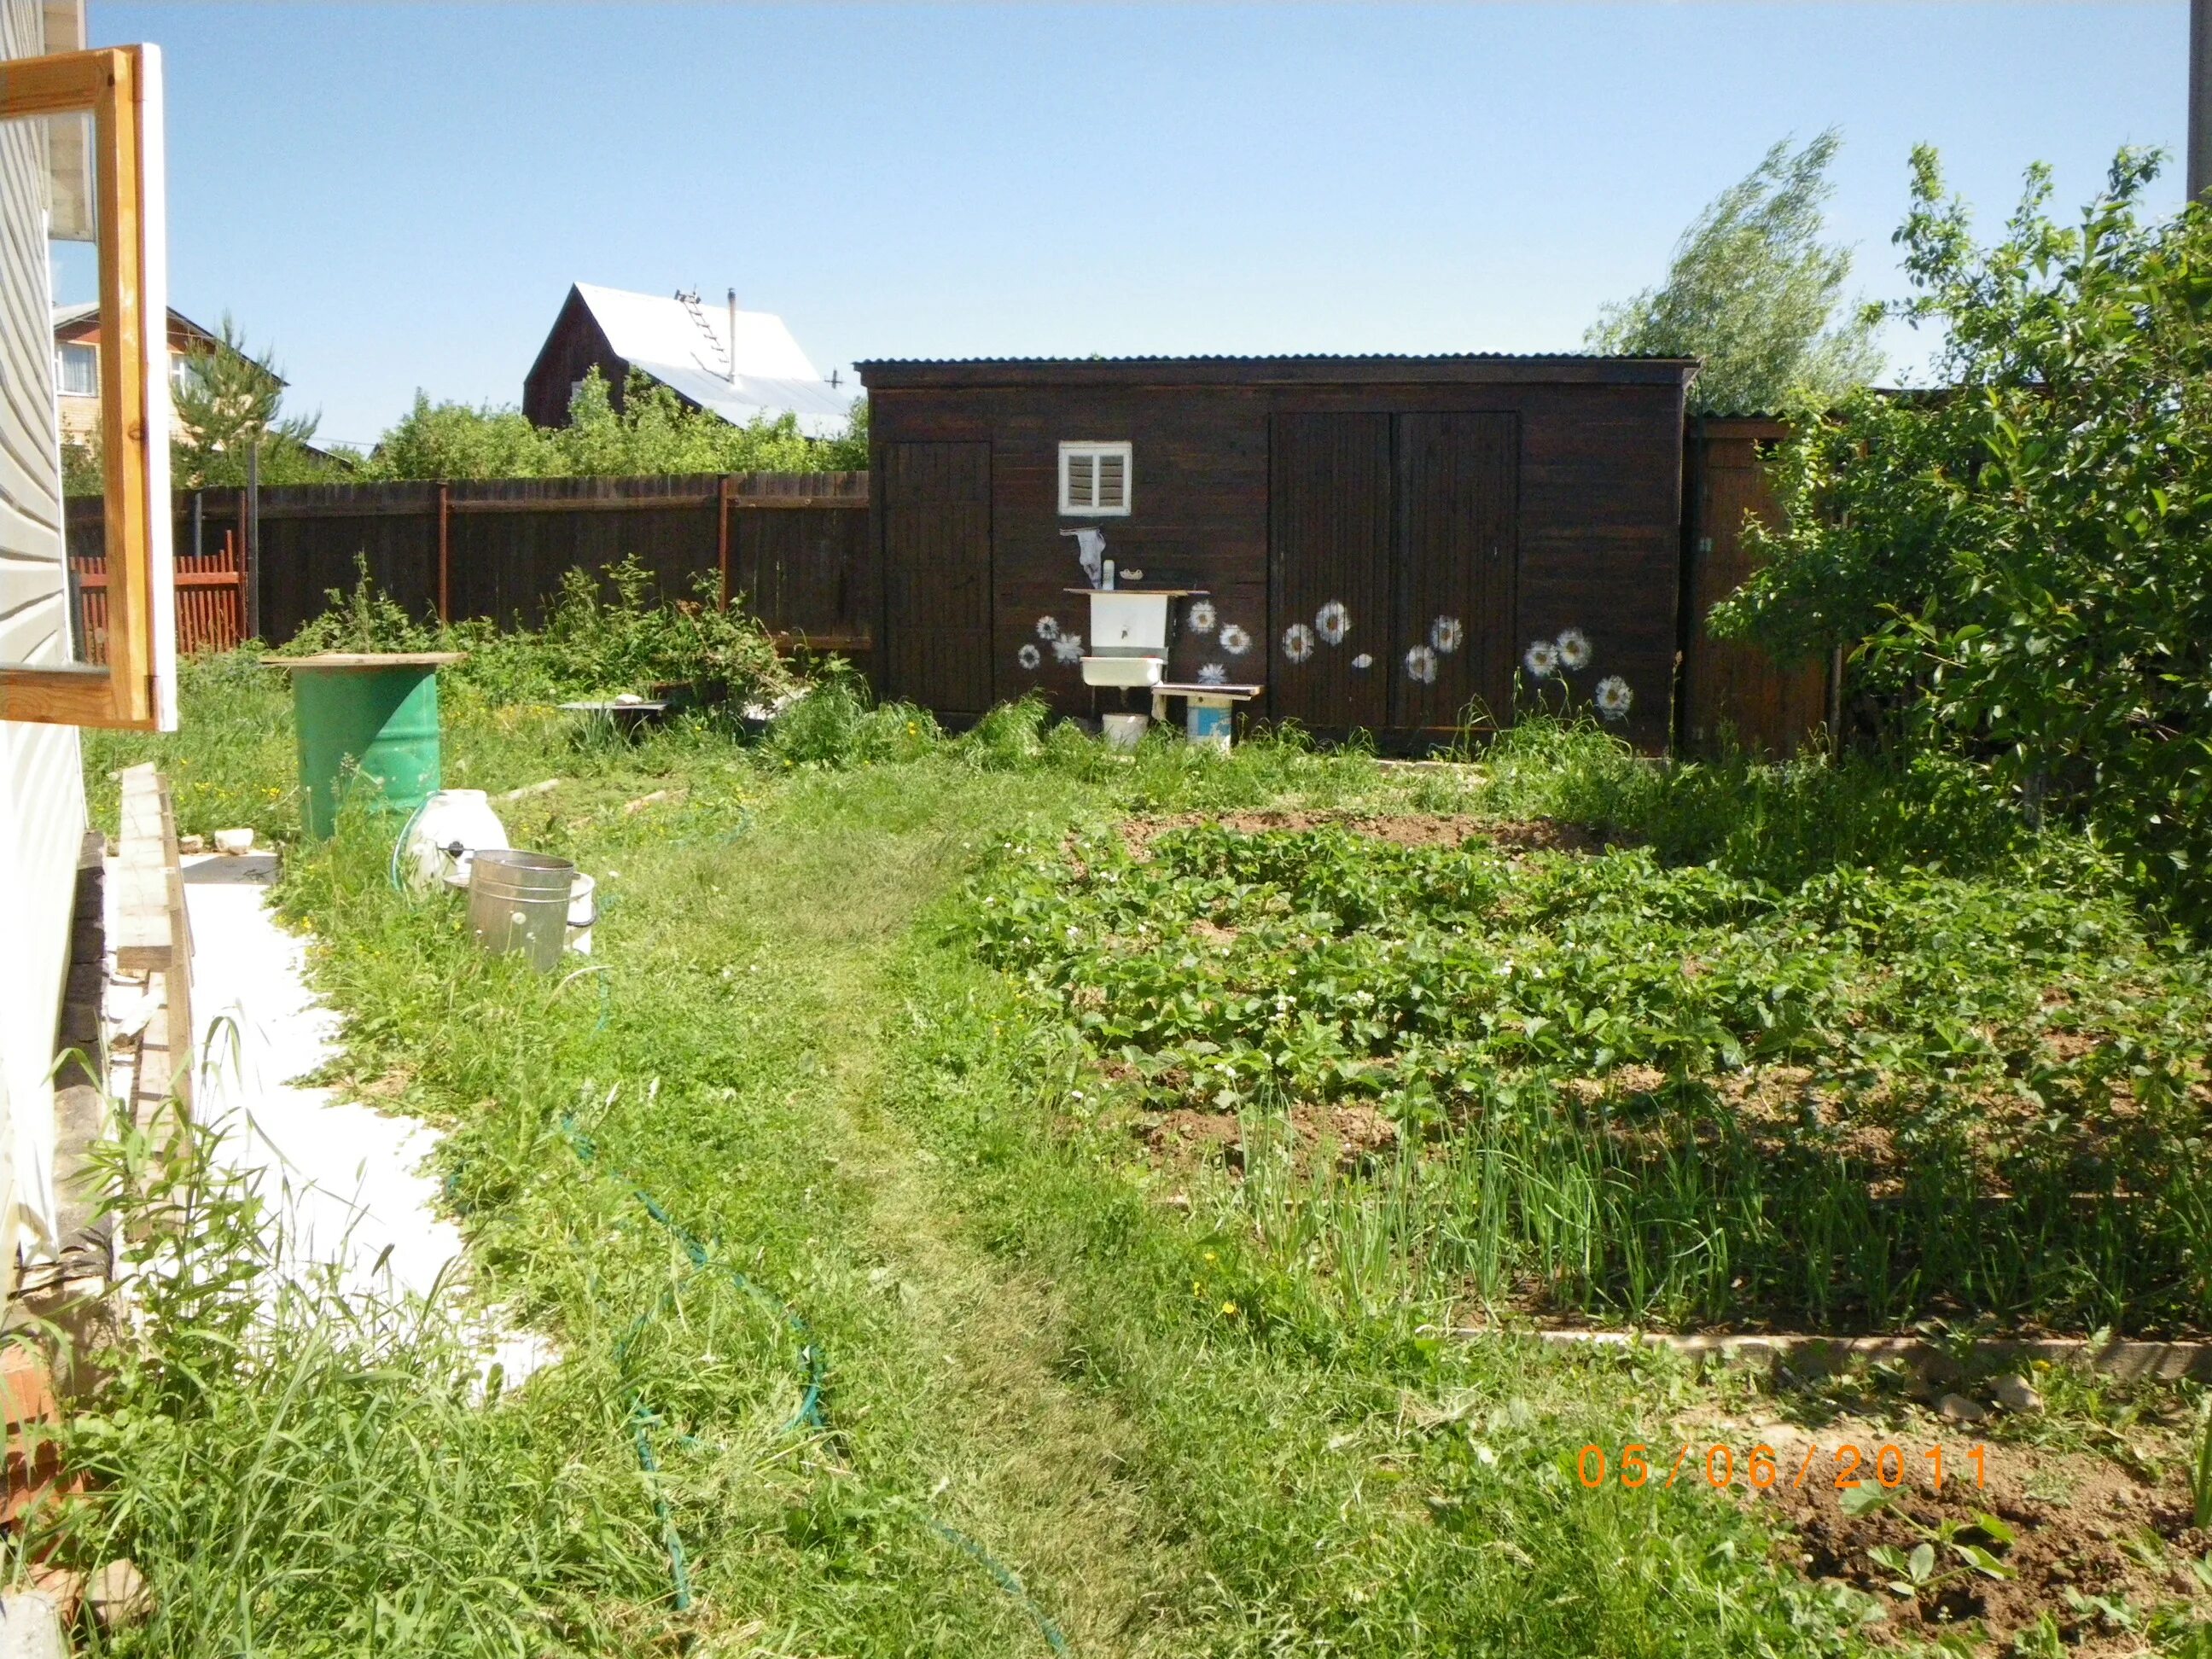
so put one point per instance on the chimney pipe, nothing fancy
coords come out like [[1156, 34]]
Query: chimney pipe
[[734, 337]]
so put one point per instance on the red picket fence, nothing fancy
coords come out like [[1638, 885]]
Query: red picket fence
[[211, 598]]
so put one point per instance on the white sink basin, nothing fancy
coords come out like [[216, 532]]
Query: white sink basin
[[1123, 670]]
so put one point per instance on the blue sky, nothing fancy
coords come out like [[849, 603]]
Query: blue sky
[[398, 196]]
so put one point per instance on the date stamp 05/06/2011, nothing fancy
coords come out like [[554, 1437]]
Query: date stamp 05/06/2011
[[1844, 1467]]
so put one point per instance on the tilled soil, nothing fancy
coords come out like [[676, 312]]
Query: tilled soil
[[1402, 829], [2080, 1524]]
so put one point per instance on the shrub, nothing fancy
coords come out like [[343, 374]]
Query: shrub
[[2023, 564]]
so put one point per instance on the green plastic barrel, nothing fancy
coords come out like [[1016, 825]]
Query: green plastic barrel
[[371, 718]]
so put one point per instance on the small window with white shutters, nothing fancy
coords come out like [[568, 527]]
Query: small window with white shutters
[[1094, 479]]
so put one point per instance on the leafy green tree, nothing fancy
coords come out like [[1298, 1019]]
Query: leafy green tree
[[229, 401], [1754, 292], [453, 440], [2022, 562], [653, 432]]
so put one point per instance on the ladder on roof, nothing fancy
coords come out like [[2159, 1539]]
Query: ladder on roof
[[690, 300]]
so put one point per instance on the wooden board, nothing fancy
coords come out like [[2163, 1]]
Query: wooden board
[[143, 940]]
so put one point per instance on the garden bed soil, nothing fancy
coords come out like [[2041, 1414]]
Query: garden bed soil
[[1185, 1138], [2080, 1524], [1400, 830]]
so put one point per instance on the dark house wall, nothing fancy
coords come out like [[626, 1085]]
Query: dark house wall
[[574, 348], [1508, 500]]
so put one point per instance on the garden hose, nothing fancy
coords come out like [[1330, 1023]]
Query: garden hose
[[399, 847], [812, 1365]]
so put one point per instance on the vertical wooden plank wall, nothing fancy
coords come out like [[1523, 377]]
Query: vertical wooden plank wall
[[936, 512], [1457, 557], [1329, 522], [1771, 709]]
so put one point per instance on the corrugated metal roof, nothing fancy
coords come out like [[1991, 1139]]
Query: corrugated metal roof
[[1312, 369], [688, 349], [1282, 357]]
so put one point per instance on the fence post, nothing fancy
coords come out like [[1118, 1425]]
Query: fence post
[[444, 553], [722, 534]]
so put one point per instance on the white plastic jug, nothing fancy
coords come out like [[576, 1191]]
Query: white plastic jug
[[453, 826]]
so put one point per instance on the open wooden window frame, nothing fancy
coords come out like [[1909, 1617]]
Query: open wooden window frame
[[136, 687]]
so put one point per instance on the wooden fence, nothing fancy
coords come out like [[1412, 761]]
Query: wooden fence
[[210, 589], [793, 545]]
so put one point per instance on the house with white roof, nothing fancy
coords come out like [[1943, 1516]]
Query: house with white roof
[[742, 365]]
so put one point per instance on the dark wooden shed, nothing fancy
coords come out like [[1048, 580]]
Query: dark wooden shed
[[1385, 541]]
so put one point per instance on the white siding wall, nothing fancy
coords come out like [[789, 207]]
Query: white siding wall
[[42, 815]]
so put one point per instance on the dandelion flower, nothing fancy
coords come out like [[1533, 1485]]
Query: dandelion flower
[[1048, 628], [1333, 621], [1542, 660], [1212, 673], [1421, 664], [1229, 1308], [1574, 649], [1234, 639], [1200, 617], [1068, 648], [1613, 696], [1028, 656], [1298, 642], [1445, 635]]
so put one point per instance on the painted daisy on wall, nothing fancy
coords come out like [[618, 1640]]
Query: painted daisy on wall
[[1542, 660], [1212, 673], [1200, 617], [1234, 639], [1445, 635], [1333, 621], [1421, 664], [1363, 660], [1613, 697], [1028, 656], [1298, 642], [1048, 628], [1068, 648], [1574, 649]]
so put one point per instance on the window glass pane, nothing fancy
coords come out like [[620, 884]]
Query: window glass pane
[[49, 616], [80, 371]]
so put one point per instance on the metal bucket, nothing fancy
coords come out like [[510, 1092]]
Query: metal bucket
[[520, 901]]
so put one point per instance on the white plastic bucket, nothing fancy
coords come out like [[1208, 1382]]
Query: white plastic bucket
[[453, 819], [1123, 731]]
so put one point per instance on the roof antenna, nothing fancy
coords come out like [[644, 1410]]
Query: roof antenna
[[734, 337]]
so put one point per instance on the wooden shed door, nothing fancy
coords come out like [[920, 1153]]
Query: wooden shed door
[[1451, 641], [1329, 598], [937, 575]]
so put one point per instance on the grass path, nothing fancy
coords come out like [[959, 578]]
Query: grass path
[[1035, 1469]]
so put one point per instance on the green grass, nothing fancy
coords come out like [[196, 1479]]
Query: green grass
[[1184, 1428]]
